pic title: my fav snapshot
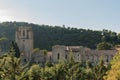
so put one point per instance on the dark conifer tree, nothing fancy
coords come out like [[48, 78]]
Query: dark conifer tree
[[16, 49]]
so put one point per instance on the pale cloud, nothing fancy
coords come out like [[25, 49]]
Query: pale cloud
[[13, 14], [3, 16]]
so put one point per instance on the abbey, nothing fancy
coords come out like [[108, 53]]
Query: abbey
[[24, 39]]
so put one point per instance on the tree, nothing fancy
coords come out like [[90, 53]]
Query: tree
[[11, 68], [71, 58], [52, 35], [104, 46], [16, 49], [114, 72], [49, 64], [35, 73], [60, 72], [99, 70], [3, 40]]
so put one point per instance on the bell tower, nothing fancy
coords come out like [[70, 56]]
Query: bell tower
[[24, 40]]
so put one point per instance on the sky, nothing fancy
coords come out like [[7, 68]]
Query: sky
[[86, 14]]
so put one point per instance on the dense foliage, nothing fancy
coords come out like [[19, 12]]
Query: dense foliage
[[104, 46], [114, 72], [11, 69], [46, 36]]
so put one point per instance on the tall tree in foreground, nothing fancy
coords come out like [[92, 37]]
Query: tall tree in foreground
[[99, 70], [11, 68], [35, 73]]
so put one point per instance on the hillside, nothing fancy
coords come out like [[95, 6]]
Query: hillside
[[46, 36]]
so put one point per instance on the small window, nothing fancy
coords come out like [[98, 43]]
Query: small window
[[106, 58], [58, 56], [66, 56]]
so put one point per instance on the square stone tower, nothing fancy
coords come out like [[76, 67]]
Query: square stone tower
[[24, 40]]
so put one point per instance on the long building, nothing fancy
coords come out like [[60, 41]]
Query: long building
[[81, 54], [24, 39]]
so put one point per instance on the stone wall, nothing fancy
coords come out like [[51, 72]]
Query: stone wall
[[60, 52]]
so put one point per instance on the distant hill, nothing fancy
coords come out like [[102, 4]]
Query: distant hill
[[46, 36]]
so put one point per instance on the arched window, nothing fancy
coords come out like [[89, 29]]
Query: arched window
[[106, 58], [58, 56], [65, 56]]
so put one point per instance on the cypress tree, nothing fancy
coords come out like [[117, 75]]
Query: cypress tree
[[16, 49]]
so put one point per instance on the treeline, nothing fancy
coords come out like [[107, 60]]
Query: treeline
[[46, 36], [11, 69]]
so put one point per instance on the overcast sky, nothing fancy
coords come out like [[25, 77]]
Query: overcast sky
[[88, 14]]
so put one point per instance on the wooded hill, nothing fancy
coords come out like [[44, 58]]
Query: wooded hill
[[46, 36]]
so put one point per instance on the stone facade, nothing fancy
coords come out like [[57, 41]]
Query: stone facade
[[38, 57], [24, 39], [81, 54]]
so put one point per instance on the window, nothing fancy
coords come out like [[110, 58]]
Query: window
[[65, 56], [58, 56], [106, 58]]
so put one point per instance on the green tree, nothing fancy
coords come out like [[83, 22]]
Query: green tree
[[52, 35], [11, 68], [114, 72], [35, 73], [16, 49], [3, 40], [104, 46], [99, 70]]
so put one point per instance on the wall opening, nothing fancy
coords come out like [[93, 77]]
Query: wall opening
[[58, 56], [65, 56]]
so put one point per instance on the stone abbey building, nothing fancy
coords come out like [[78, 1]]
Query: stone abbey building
[[24, 39]]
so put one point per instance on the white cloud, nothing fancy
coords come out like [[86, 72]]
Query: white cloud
[[3, 16], [13, 15]]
